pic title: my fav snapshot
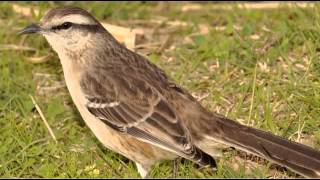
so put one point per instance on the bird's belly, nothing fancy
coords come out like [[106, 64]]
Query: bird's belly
[[119, 142]]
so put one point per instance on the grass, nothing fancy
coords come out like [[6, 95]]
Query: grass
[[264, 74]]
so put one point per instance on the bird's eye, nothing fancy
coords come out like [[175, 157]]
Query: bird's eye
[[66, 25]]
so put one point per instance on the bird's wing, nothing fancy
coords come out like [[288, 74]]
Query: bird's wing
[[130, 105]]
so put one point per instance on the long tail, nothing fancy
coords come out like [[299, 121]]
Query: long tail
[[297, 157]]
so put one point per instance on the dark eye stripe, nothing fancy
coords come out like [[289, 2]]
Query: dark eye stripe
[[87, 27], [65, 25]]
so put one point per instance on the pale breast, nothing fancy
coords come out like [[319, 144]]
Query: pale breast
[[119, 142]]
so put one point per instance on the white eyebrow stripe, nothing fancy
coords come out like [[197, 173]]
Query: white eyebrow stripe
[[74, 18], [78, 19]]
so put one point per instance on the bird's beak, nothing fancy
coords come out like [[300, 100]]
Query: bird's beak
[[33, 28]]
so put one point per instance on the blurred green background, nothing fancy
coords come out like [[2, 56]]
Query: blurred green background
[[259, 67]]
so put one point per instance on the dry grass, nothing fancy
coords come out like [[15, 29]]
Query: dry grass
[[254, 64]]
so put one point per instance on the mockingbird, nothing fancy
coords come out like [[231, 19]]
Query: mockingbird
[[133, 108]]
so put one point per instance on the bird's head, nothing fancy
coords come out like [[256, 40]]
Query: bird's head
[[67, 29]]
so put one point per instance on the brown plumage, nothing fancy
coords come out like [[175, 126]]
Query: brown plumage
[[135, 109]]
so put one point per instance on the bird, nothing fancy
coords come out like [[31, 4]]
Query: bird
[[136, 110]]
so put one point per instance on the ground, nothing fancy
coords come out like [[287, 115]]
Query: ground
[[259, 67]]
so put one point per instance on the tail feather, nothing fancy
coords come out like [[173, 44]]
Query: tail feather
[[297, 157], [203, 159]]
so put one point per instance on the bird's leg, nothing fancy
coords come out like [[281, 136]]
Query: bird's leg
[[143, 170]]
